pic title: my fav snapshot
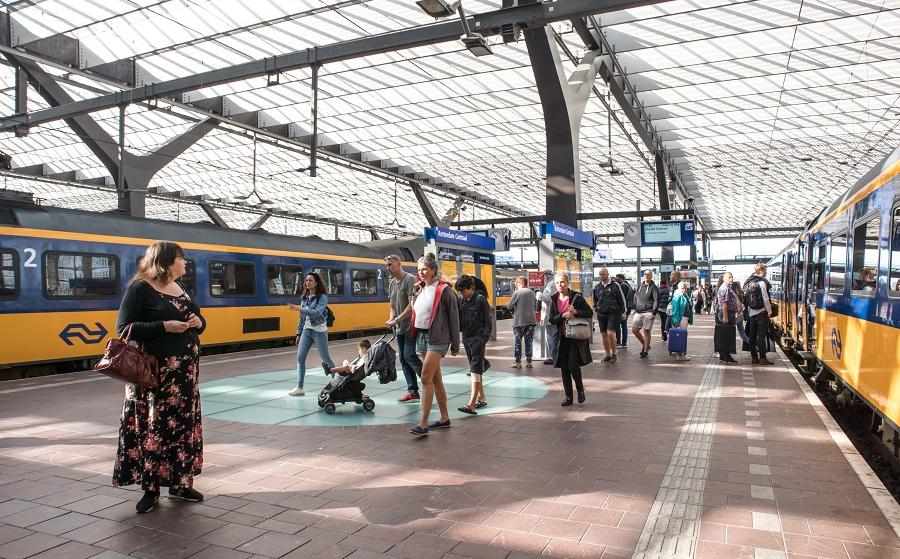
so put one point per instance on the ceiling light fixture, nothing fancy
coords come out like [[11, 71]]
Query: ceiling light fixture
[[396, 222], [475, 42]]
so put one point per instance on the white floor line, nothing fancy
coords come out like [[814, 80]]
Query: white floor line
[[673, 526], [211, 360], [52, 384]]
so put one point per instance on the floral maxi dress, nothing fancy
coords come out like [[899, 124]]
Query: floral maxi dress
[[161, 433]]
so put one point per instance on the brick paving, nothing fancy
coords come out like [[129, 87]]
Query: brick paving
[[606, 479]]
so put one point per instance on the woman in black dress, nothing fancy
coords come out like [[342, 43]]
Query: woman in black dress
[[161, 436], [571, 355]]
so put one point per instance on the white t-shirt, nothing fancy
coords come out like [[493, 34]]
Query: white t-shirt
[[423, 304]]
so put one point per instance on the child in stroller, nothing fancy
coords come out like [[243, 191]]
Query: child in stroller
[[347, 386]]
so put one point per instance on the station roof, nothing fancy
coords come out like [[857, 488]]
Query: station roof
[[783, 102]]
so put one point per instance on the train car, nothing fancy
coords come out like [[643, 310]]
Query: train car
[[838, 289], [63, 274]]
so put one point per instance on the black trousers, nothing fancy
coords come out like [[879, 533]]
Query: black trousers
[[757, 330], [570, 365]]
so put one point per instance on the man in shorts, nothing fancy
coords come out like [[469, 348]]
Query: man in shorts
[[609, 304], [646, 305]]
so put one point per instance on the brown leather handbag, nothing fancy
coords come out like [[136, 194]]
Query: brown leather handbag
[[127, 363]]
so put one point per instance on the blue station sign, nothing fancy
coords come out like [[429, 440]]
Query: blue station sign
[[562, 232], [461, 238]]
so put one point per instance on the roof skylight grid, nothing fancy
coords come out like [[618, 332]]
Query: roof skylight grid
[[730, 89]]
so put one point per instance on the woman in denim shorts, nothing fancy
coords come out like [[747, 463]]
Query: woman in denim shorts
[[435, 325]]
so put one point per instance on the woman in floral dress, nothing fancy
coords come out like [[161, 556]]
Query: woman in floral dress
[[161, 436]]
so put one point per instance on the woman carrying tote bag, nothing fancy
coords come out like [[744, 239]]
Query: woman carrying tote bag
[[571, 354]]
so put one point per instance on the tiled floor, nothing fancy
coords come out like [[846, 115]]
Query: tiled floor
[[665, 459]]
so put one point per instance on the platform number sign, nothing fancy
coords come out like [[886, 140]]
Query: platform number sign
[[836, 346]]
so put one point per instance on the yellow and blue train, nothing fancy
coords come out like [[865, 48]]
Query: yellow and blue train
[[838, 284], [63, 274]]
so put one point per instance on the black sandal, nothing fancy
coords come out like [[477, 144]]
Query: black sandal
[[480, 404], [468, 410]]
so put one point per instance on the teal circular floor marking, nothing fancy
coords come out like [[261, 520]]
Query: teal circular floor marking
[[262, 398]]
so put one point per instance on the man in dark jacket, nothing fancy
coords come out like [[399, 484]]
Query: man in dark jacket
[[758, 321], [609, 304], [475, 327], [646, 305]]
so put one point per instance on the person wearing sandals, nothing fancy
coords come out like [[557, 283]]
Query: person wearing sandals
[[312, 327], [475, 327], [523, 305], [571, 355], [161, 434], [435, 326]]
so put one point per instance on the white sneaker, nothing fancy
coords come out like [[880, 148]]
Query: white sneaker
[[297, 392], [682, 358]]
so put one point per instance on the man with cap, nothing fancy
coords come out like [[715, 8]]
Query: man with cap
[[549, 329]]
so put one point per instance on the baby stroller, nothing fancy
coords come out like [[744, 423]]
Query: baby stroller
[[380, 359]]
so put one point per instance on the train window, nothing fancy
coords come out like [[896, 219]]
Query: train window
[[189, 279], [231, 279], [333, 278], [894, 275], [818, 270], [9, 274], [866, 235], [80, 276], [284, 280], [837, 263], [364, 282]]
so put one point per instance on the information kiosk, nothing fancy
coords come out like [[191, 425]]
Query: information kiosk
[[465, 252], [563, 247]]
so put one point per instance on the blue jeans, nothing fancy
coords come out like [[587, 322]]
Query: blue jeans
[[412, 365], [550, 333], [307, 339], [740, 328], [526, 332]]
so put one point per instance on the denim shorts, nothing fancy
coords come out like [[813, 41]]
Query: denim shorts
[[423, 344]]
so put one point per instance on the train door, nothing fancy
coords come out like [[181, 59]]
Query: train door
[[815, 289], [798, 273], [787, 289]]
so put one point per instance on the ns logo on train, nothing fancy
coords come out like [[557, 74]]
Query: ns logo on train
[[83, 332]]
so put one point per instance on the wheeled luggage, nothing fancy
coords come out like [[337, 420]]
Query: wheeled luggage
[[724, 341], [677, 340]]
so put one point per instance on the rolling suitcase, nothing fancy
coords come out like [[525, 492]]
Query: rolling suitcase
[[724, 338], [677, 340]]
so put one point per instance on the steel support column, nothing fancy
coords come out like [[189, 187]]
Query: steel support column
[[667, 256], [563, 101]]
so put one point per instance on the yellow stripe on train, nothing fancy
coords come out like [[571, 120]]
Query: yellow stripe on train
[[40, 337], [865, 355]]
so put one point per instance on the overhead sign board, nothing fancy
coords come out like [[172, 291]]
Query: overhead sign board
[[462, 238], [602, 256], [501, 237], [659, 233], [562, 232]]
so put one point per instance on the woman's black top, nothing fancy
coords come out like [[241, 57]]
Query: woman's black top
[[146, 309]]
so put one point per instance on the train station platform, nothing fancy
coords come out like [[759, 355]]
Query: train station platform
[[664, 459]]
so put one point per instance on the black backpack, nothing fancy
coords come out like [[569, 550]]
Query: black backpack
[[629, 296], [329, 317], [753, 297]]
